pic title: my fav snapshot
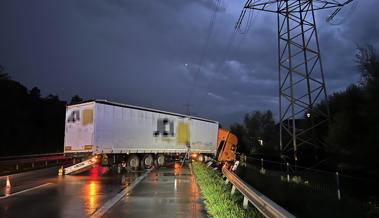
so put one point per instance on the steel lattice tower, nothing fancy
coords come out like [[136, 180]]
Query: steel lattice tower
[[301, 75]]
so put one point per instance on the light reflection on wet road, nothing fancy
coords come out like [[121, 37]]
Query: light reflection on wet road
[[167, 192], [63, 197]]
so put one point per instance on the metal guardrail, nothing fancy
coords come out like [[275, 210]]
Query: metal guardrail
[[20, 163], [14, 157], [265, 205], [31, 159]]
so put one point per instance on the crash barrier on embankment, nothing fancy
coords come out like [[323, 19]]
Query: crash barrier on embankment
[[20, 163], [266, 206]]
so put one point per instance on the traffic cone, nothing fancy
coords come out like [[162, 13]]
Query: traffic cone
[[60, 171], [8, 183]]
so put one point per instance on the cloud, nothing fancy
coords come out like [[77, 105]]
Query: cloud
[[148, 52], [217, 97]]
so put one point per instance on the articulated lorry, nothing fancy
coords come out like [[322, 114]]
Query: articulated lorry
[[142, 137]]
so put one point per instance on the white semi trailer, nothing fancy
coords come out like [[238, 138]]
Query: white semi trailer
[[137, 135]]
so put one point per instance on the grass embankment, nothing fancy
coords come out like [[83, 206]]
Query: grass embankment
[[218, 200]]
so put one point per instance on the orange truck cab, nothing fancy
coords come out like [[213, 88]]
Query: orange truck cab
[[226, 146]]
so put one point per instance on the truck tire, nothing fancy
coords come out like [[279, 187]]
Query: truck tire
[[160, 160], [200, 158], [206, 158], [133, 162], [147, 161]]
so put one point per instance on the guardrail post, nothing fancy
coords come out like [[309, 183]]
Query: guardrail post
[[245, 203], [226, 181], [17, 167], [288, 172], [266, 206], [233, 190], [338, 186], [45, 162], [118, 168]]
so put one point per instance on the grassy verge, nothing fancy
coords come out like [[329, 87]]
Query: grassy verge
[[218, 200]]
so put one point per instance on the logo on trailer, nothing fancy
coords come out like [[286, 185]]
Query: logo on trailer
[[165, 127], [86, 115], [74, 116]]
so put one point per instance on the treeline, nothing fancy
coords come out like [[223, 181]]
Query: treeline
[[352, 138], [30, 123], [258, 134], [354, 132]]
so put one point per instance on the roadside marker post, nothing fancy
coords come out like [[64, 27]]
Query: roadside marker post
[[338, 186]]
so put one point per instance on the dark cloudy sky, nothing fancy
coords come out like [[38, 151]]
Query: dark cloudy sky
[[147, 53]]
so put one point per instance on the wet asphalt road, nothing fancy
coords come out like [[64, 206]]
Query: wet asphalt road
[[166, 192], [61, 197]]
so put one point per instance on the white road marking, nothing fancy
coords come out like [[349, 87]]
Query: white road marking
[[26, 190], [110, 203]]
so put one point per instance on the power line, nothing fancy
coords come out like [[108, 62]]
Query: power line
[[203, 52], [219, 68], [228, 53], [248, 22], [331, 19]]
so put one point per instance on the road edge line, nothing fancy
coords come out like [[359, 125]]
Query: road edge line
[[25, 173], [111, 202], [25, 190]]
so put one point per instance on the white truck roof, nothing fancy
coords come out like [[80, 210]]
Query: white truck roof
[[103, 101]]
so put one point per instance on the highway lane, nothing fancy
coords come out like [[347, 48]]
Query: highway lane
[[44, 194], [167, 192], [26, 180]]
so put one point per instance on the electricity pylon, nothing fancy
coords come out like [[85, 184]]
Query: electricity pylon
[[301, 76]]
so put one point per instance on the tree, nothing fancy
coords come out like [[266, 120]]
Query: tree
[[243, 142], [3, 75], [76, 99], [367, 62], [353, 132], [261, 129], [258, 133], [348, 120], [35, 93], [30, 124]]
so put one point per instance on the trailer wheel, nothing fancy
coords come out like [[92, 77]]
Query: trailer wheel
[[160, 161], [206, 158], [133, 162], [200, 158], [147, 161]]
